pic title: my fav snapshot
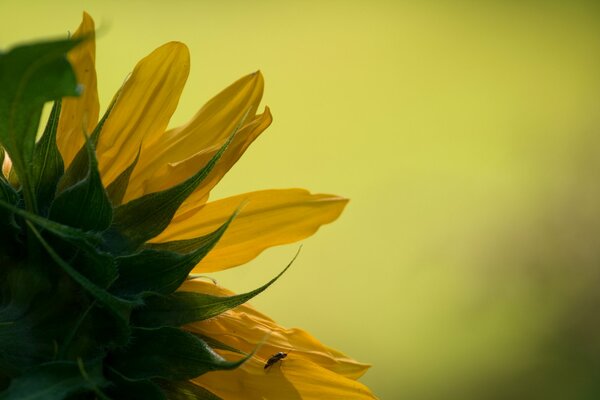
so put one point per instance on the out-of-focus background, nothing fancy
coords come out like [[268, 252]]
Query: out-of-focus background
[[467, 264]]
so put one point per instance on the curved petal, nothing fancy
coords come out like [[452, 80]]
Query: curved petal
[[80, 113], [175, 172], [310, 371], [143, 108], [270, 218], [189, 147]]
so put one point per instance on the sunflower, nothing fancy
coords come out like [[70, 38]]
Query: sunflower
[[104, 233]]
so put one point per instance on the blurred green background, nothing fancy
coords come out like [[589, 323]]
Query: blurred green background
[[466, 135]]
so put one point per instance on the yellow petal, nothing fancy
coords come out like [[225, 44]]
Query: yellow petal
[[181, 152], [80, 114], [143, 108], [269, 218], [173, 173], [310, 371], [294, 378]]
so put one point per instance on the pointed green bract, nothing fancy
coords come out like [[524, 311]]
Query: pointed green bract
[[85, 205], [161, 271], [48, 164], [181, 308], [168, 353], [116, 190], [79, 167]]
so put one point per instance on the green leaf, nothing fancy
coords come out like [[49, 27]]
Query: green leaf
[[84, 205], [168, 353], [181, 308], [55, 381], [184, 390], [120, 308], [48, 164], [116, 190], [145, 217], [31, 75], [161, 271]]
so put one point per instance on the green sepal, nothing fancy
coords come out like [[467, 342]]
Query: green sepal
[[56, 381], [161, 271], [215, 344], [85, 205], [185, 390], [118, 307], [48, 164], [116, 190], [144, 218], [124, 388], [56, 228], [31, 75], [182, 308], [168, 353], [79, 167]]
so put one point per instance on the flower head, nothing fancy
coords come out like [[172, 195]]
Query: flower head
[[101, 229]]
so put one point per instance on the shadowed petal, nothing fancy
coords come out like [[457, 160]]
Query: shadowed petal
[[270, 218], [80, 114]]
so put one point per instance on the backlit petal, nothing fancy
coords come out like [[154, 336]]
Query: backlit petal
[[80, 114], [268, 218], [181, 152], [310, 371], [144, 107]]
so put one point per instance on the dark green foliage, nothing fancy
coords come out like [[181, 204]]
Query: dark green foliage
[[88, 308], [56, 381]]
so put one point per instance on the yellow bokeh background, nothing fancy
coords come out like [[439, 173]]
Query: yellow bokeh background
[[465, 135]]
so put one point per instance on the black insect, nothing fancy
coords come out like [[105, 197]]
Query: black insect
[[274, 358]]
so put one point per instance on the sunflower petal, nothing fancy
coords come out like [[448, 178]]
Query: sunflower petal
[[80, 113], [144, 107], [296, 379], [178, 153], [270, 218], [310, 371]]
